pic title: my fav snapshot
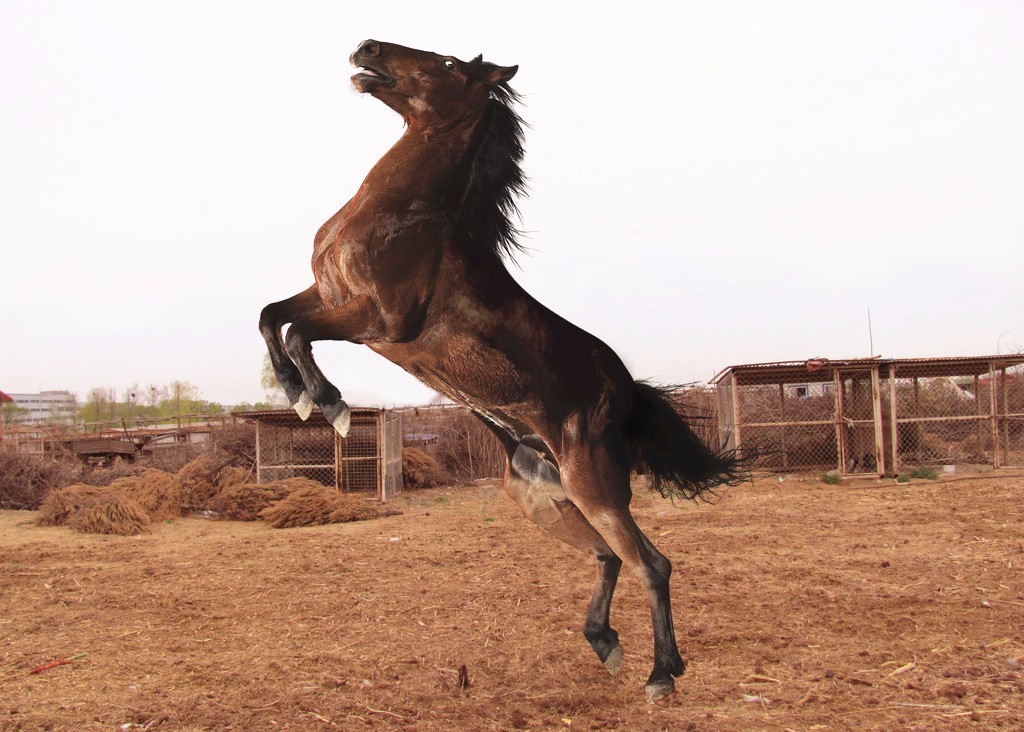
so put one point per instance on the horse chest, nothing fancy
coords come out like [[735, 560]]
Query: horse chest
[[387, 255]]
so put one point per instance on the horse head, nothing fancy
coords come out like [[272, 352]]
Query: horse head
[[424, 87]]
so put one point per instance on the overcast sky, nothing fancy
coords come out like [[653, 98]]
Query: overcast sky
[[711, 183]]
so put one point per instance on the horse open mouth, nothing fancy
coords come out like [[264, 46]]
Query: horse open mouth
[[369, 78]]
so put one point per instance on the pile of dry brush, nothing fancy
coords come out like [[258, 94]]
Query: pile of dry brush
[[128, 505]]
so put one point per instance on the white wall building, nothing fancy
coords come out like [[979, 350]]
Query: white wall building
[[46, 407]]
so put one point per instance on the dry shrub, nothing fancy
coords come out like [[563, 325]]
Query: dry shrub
[[26, 479], [237, 439], [232, 476], [158, 492], [313, 506], [171, 459], [110, 512], [60, 505], [420, 470], [243, 502], [117, 470], [199, 478]]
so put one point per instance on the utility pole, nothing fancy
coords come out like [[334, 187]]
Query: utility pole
[[871, 337]]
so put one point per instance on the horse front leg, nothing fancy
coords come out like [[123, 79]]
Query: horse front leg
[[356, 320], [272, 319]]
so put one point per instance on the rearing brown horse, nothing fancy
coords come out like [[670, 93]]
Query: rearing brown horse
[[413, 267]]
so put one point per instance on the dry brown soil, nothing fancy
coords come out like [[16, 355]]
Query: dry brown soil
[[798, 605]]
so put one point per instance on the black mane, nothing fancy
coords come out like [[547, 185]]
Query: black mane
[[496, 179]]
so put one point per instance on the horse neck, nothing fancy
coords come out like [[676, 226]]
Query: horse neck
[[429, 160]]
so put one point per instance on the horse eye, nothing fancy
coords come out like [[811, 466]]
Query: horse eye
[[449, 64]]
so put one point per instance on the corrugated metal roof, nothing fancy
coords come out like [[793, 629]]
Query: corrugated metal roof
[[823, 369], [283, 417]]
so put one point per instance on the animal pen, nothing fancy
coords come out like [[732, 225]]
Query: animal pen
[[876, 416], [369, 459]]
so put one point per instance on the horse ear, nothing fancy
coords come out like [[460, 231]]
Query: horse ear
[[492, 74]]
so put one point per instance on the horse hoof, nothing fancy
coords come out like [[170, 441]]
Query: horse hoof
[[340, 417], [659, 689], [613, 664], [304, 406]]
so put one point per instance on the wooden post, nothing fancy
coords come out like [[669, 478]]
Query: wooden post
[[993, 413], [977, 409], [259, 458], [734, 386], [1005, 418], [339, 460], [381, 488], [782, 425], [840, 439], [876, 402], [893, 427]]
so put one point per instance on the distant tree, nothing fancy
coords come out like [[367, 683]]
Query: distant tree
[[257, 407], [268, 380], [149, 402], [12, 413], [100, 405], [182, 398]]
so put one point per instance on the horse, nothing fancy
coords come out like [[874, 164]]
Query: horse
[[414, 267]]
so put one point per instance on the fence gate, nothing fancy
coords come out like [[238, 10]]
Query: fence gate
[[859, 421]]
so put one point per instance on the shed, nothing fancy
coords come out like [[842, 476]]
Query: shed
[[876, 416], [369, 459]]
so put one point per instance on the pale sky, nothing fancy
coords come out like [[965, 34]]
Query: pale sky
[[711, 183]]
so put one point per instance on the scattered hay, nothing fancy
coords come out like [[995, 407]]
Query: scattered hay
[[110, 512], [245, 501], [420, 470], [313, 506], [60, 505], [199, 478]]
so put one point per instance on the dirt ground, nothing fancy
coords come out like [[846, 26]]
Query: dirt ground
[[798, 606]]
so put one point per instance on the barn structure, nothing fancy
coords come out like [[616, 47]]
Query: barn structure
[[369, 459], [876, 416]]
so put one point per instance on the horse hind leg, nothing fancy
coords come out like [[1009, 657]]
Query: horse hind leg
[[599, 486], [533, 483]]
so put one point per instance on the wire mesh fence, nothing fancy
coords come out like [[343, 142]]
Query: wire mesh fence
[[456, 439], [367, 459], [876, 416]]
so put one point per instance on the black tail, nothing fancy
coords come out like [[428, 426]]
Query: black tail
[[664, 447]]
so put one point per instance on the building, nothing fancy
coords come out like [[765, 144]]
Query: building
[[4, 399], [46, 407]]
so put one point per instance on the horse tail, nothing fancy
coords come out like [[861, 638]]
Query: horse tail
[[665, 447]]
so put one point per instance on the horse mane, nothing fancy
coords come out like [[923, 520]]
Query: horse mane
[[488, 209]]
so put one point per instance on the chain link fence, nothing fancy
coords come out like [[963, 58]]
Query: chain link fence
[[876, 416], [368, 459], [457, 440]]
